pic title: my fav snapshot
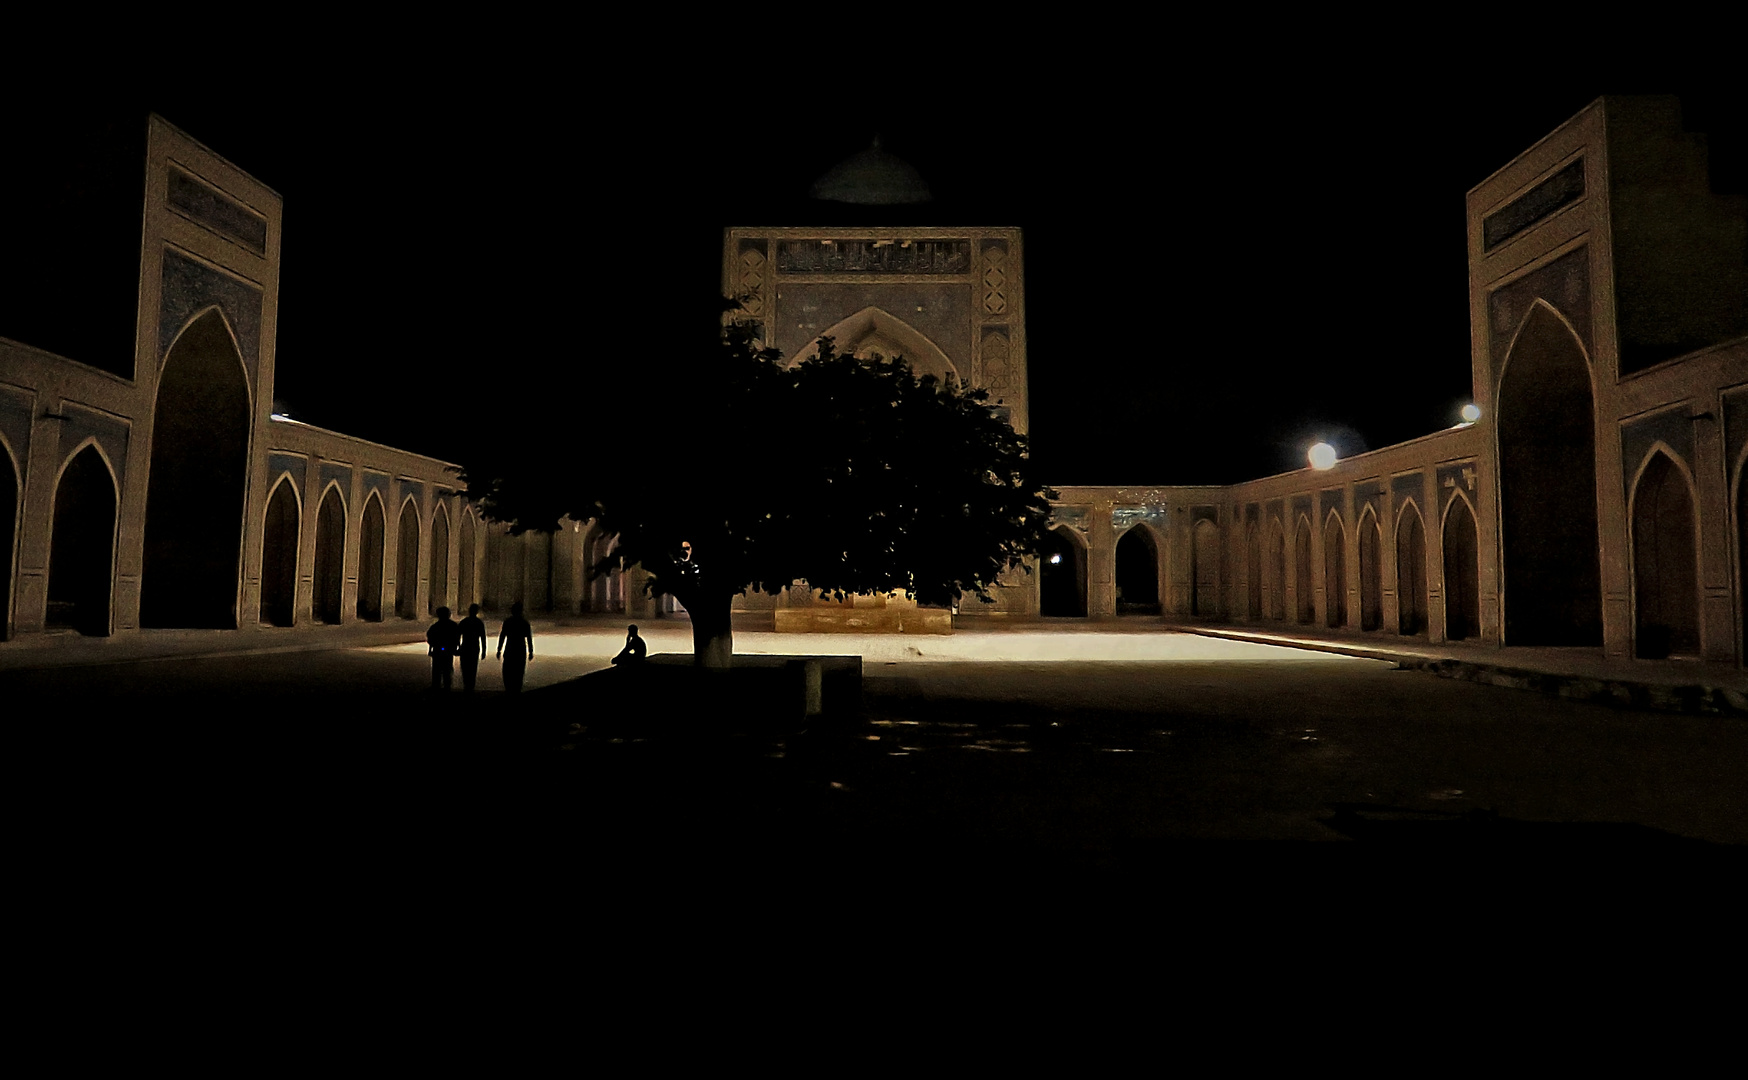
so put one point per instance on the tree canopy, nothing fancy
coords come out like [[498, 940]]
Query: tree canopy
[[723, 471]]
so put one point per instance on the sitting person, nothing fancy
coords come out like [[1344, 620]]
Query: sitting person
[[635, 650]]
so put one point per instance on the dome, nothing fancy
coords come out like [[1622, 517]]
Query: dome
[[872, 177]]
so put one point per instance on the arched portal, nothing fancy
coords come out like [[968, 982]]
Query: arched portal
[[330, 556], [439, 559], [1302, 580], [1137, 573], [279, 556], [1411, 594], [1334, 572], [469, 545], [8, 536], [1253, 571], [1742, 560], [194, 497], [407, 571], [1062, 573], [82, 551], [1277, 571], [1205, 568], [371, 532], [1665, 563], [1462, 573], [1371, 572], [1547, 488]]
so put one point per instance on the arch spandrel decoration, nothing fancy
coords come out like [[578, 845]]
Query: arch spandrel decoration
[[874, 332]]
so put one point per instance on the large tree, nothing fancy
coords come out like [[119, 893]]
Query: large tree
[[722, 470]]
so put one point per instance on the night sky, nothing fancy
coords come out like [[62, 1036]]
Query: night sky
[[1213, 280]]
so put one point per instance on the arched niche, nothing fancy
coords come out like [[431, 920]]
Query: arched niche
[[1303, 580], [82, 545], [199, 471], [1371, 571], [1665, 561], [1062, 573], [279, 535], [875, 332], [330, 569], [1411, 590], [1277, 571], [1742, 558], [1334, 572], [1546, 422], [1205, 568], [1253, 571], [1138, 572], [439, 596], [1462, 571], [407, 567], [9, 505], [469, 543], [372, 533]]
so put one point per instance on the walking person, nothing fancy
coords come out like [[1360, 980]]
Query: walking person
[[519, 636], [473, 646], [443, 641]]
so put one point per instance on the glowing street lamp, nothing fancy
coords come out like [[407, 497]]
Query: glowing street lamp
[[1322, 456], [1471, 412]]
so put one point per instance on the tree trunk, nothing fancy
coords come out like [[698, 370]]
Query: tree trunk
[[712, 632]]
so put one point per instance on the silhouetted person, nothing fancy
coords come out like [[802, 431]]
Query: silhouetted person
[[635, 650], [473, 646], [520, 637], [444, 640]]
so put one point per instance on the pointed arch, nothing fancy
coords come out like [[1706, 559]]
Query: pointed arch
[[1741, 504], [876, 331], [82, 542], [1371, 543], [465, 593], [372, 537], [1253, 570], [10, 505], [1665, 546], [198, 476], [1137, 570], [439, 564], [1412, 601], [330, 568], [280, 528], [1334, 571], [1205, 568], [1462, 570], [1062, 573], [1303, 580], [407, 565], [1545, 422], [1276, 568]]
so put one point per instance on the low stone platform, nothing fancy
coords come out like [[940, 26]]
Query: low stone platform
[[864, 620]]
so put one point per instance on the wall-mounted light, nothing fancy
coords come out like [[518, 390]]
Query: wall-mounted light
[[1471, 412]]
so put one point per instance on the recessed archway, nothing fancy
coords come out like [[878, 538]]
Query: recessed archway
[[439, 596], [1302, 580], [1334, 572], [82, 547], [1277, 571], [1253, 571], [372, 531], [1742, 560], [1665, 562], [1411, 591], [279, 555], [469, 546], [1547, 487], [875, 332], [1371, 571], [1062, 573], [1462, 572], [407, 567], [199, 469], [1137, 572], [330, 556], [8, 536], [1205, 568]]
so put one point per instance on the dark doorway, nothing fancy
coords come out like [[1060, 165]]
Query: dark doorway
[[279, 557], [464, 595], [1665, 564], [194, 498], [1307, 612], [330, 556], [370, 539], [1205, 568], [8, 537], [1137, 573], [1253, 572], [407, 567], [1334, 574], [1547, 489], [439, 596], [1371, 573], [1742, 561], [82, 553], [1462, 573], [1277, 572], [1411, 597], [1062, 575]]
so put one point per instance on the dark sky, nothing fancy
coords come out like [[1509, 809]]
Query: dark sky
[[1212, 278]]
